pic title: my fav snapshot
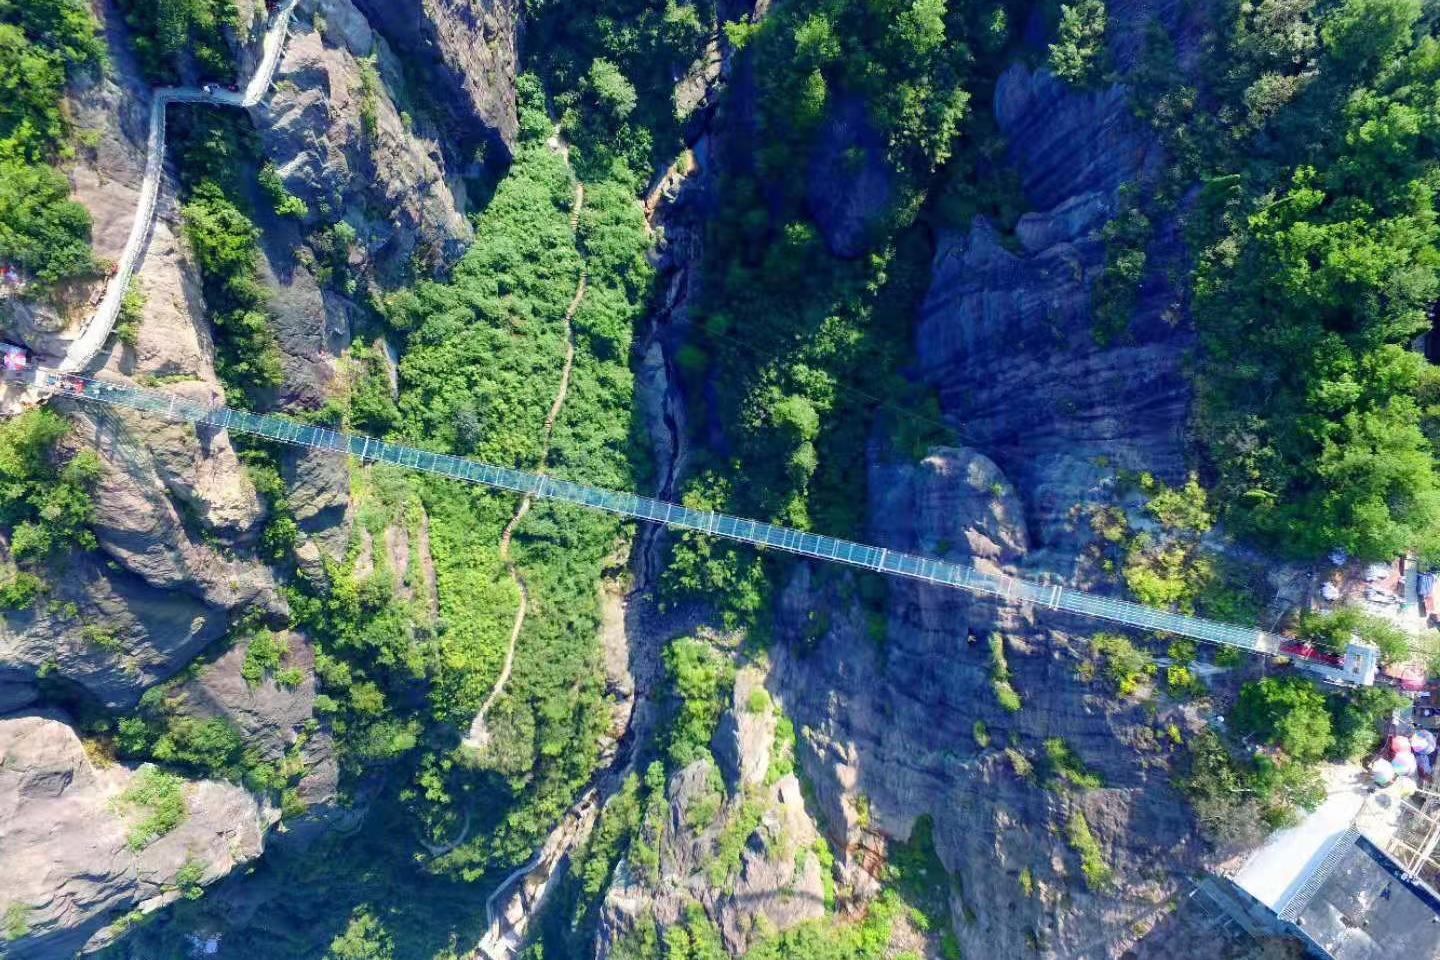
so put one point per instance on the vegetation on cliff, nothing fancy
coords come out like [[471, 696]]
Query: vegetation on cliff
[[178, 39], [800, 342], [218, 152], [43, 45], [1312, 133], [45, 503]]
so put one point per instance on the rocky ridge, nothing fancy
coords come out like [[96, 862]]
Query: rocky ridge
[[1047, 411], [72, 876], [176, 515]]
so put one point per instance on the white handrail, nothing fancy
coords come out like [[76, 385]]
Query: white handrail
[[83, 349]]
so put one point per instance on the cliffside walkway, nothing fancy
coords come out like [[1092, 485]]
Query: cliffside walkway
[[540, 486], [84, 348]]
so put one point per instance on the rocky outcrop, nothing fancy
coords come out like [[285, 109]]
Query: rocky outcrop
[[465, 54], [954, 499], [276, 720], [69, 871], [1007, 336], [345, 138], [171, 505], [775, 879], [909, 726]]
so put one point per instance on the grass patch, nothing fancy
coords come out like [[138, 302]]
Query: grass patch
[[155, 801], [1093, 866]]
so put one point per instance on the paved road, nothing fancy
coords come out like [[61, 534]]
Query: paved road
[[84, 348]]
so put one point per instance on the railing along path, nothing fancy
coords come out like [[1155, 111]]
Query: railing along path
[[880, 559]]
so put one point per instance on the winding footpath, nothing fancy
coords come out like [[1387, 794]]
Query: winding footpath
[[84, 348], [479, 736]]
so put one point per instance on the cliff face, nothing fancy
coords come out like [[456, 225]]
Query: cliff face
[[177, 518], [466, 51], [1048, 409], [910, 726], [347, 133], [1007, 335], [902, 721], [68, 868]]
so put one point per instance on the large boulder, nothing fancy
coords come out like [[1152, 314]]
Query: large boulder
[[71, 869]]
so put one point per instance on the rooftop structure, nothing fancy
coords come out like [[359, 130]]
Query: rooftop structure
[[1329, 881], [1362, 905]]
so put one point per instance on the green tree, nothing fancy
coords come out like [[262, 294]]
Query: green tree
[[45, 501], [1288, 713], [175, 34], [42, 231], [1358, 718], [365, 938], [1334, 630], [1077, 55], [611, 90]]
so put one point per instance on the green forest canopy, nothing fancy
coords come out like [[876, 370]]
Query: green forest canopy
[[43, 45], [1317, 268]]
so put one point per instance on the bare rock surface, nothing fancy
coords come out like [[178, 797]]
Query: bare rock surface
[[955, 498], [107, 630], [466, 51], [889, 734], [66, 864], [334, 130], [1007, 335]]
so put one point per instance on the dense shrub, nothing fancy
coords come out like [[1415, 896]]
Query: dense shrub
[[155, 803], [1093, 866], [364, 938], [702, 678], [1126, 665], [1358, 719], [180, 37], [1334, 631], [1287, 712], [1314, 138], [45, 500], [43, 44], [1238, 799]]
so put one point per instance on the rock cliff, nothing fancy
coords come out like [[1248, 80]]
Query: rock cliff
[[902, 722], [466, 50], [177, 518], [911, 727], [72, 870], [736, 839], [1007, 334]]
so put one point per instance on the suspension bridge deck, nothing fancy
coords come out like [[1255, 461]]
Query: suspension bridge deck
[[1357, 668]]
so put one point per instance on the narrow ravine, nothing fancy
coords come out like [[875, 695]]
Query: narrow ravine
[[518, 900], [479, 736]]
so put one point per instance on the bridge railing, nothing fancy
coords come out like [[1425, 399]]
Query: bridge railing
[[801, 542]]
